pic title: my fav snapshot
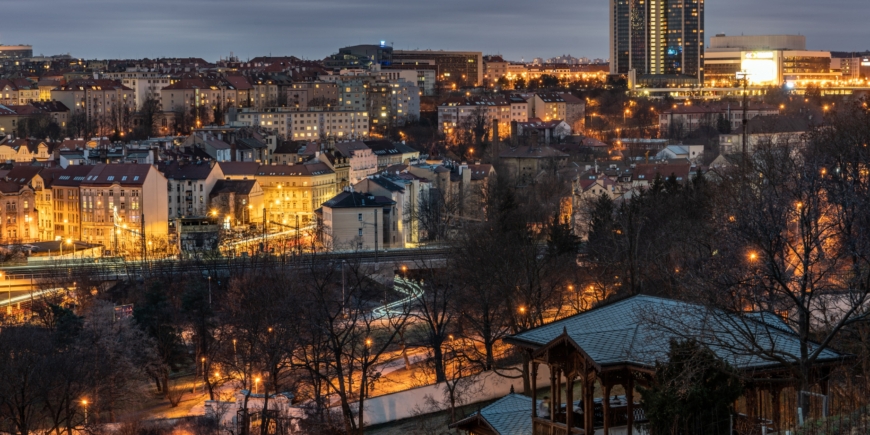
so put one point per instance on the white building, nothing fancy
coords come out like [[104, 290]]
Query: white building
[[144, 83]]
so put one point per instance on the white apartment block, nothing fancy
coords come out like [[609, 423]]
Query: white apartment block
[[143, 84], [309, 124]]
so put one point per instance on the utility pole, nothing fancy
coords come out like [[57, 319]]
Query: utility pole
[[298, 248], [376, 236], [745, 76], [264, 228]]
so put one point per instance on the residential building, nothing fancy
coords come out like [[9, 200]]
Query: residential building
[[55, 109], [548, 106], [687, 118], [540, 132], [24, 150], [107, 103], [237, 202], [291, 124], [390, 153], [124, 206], [42, 211], [17, 92], [67, 201], [189, 187], [293, 191], [362, 162], [359, 221], [463, 113], [495, 67], [201, 97], [18, 215], [692, 153], [392, 104], [527, 162], [145, 83]]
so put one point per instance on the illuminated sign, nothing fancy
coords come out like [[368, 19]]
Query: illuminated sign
[[761, 71], [759, 55], [865, 62]]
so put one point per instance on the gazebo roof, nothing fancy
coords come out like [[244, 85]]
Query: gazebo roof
[[510, 415], [637, 331]]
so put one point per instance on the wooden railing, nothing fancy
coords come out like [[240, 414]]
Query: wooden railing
[[541, 426]]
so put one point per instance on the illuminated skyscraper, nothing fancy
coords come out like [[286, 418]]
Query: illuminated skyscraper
[[657, 37]]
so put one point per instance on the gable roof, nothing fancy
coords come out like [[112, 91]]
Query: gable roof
[[356, 199], [239, 168], [243, 187], [510, 415], [620, 333], [191, 171]]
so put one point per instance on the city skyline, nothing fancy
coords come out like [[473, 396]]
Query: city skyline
[[316, 29]]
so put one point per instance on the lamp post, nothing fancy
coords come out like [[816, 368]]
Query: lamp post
[[85, 406], [209, 290]]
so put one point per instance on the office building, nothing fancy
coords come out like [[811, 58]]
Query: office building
[[657, 38], [360, 56], [455, 69], [16, 51], [766, 60]]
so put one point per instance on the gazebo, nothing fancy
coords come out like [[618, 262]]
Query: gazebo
[[619, 343]]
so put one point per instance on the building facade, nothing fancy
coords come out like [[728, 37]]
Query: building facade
[[657, 37]]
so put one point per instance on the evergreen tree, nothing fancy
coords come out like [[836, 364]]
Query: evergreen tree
[[692, 393]]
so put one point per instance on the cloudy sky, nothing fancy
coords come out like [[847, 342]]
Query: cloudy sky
[[316, 28]]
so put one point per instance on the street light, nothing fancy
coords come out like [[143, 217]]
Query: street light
[[256, 385], [85, 405]]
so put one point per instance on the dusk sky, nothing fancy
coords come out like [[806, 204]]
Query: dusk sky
[[315, 29]]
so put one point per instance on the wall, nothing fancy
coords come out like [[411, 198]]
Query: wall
[[405, 404]]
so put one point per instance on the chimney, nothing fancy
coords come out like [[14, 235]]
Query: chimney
[[513, 132], [495, 136]]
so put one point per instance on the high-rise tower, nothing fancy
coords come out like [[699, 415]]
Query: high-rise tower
[[657, 37]]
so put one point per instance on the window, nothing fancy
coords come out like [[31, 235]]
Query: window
[[360, 231], [359, 217]]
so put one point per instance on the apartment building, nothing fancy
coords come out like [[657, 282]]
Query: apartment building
[[42, 214], [462, 112], [67, 201], [107, 103], [18, 92], [288, 190], [18, 215], [357, 221], [144, 83], [189, 187], [119, 201], [201, 96], [308, 124], [362, 161]]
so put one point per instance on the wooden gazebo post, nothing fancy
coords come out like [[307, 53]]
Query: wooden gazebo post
[[534, 389], [605, 403], [569, 399], [629, 398]]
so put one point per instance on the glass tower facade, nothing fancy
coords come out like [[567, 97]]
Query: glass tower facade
[[658, 37]]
